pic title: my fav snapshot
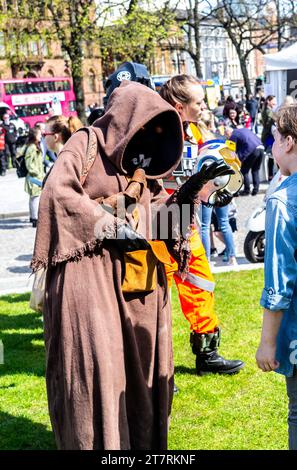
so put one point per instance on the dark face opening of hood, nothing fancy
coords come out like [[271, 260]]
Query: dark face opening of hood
[[155, 147]]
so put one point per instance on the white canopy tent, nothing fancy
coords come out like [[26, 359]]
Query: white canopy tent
[[281, 73], [286, 59]]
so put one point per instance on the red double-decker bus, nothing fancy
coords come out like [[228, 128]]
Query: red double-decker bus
[[32, 99]]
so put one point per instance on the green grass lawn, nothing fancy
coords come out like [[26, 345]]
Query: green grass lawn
[[244, 411]]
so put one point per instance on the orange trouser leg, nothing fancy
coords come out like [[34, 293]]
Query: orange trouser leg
[[197, 304]]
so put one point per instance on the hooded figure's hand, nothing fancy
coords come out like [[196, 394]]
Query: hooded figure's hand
[[188, 192], [129, 240]]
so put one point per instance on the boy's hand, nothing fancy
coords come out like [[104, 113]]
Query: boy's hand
[[265, 357]]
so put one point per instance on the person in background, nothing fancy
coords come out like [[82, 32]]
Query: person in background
[[229, 104], [11, 136], [222, 215], [57, 131], [49, 157], [232, 215], [267, 137], [252, 108], [34, 178], [207, 129], [2, 151], [250, 151], [218, 111], [95, 114], [278, 346], [22, 139], [233, 119], [239, 102], [261, 100]]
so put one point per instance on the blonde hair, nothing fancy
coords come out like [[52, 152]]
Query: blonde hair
[[288, 100], [64, 126], [286, 121], [176, 90], [205, 125], [207, 118]]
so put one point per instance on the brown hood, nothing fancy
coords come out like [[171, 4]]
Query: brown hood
[[132, 106], [71, 223]]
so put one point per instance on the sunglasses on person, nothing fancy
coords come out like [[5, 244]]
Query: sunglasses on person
[[44, 134]]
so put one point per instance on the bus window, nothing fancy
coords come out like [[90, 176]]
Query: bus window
[[72, 106], [58, 86], [36, 87], [31, 110], [66, 85]]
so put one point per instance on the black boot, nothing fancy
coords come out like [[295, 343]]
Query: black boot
[[34, 223], [208, 361]]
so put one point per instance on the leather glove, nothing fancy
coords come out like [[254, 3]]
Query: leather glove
[[187, 193], [129, 240], [222, 198]]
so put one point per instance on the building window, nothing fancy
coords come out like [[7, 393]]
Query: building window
[[43, 48], [92, 81], [33, 47]]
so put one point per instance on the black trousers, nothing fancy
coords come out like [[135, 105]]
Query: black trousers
[[2, 161], [252, 162], [270, 168], [10, 149]]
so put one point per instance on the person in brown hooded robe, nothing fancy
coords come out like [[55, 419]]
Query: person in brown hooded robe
[[109, 367]]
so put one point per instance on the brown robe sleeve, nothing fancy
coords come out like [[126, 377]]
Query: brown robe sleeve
[[70, 224]]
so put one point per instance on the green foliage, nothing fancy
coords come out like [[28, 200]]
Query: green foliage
[[243, 411], [20, 27], [24, 420], [136, 35]]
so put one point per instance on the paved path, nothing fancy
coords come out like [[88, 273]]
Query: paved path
[[13, 199], [17, 235]]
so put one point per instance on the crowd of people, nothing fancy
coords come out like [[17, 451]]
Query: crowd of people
[[40, 150], [109, 353]]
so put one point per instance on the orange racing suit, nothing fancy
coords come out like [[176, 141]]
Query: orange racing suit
[[196, 292]]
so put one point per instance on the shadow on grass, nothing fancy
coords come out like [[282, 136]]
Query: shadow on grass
[[21, 355], [184, 370], [13, 298], [25, 321], [6, 387], [18, 433]]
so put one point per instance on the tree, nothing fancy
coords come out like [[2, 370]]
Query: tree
[[286, 11], [18, 24], [249, 26], [189, 20], [132, 36], [137, 33], [72, 23]]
